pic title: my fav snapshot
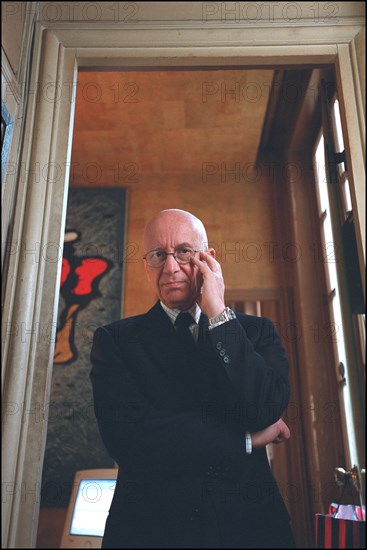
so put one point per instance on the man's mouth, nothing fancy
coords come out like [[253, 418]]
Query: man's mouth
[[174, 284]]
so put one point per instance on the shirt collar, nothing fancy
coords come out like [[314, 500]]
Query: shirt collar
[[172, 313]]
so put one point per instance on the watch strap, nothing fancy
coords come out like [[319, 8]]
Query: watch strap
[[226, 315]]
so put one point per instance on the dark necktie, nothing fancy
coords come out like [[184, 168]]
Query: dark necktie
[[182, 323]]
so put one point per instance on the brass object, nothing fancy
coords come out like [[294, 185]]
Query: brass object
[[341, 476], [354, 475]]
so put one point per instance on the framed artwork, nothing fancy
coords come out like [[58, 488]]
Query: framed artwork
[[90, 296]]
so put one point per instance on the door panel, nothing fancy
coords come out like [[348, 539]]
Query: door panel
[[288, 460]]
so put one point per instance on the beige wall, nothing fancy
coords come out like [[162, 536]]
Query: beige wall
[[169, 136], [12, 21], [239, 219], [240, 222]]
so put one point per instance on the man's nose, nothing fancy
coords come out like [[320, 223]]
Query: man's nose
[[171, 265]]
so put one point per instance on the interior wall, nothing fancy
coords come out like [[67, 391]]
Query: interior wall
[[203, 160], [12, 21], [17, 25]]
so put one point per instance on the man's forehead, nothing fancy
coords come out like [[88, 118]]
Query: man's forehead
[[158, 245], [171, 229], [179, 230]]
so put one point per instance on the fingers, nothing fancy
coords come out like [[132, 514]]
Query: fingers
[[275, 433], [206, 262], [283, 432], [210, 260]]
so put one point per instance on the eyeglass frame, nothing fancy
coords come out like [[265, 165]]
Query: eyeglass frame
[[169, 254]]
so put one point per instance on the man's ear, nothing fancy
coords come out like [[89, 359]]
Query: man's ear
[[212, 252], [147, 273]]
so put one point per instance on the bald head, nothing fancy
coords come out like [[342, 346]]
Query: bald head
[[176, 284], [171, 221]]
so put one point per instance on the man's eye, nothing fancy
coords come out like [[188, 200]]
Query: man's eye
[[157, 254], [184, 251]]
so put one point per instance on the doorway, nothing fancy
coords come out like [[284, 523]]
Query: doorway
[[201, 139], [53, 145]]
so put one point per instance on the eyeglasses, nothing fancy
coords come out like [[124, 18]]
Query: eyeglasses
[[157, 258]]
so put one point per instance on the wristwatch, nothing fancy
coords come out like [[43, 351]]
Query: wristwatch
[[226, 315]]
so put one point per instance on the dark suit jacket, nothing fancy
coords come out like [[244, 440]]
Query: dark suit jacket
[[174, 421]]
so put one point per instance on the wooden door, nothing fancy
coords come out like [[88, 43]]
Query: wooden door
[[288, 460]]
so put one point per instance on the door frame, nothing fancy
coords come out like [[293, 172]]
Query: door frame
[[60, 49]]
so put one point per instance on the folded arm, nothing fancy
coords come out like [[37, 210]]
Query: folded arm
[[147, 441]]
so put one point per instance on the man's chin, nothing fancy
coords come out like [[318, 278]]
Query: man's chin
[[177, 299]]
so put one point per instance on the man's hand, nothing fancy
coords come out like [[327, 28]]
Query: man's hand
[[211, 299], [276, 433]]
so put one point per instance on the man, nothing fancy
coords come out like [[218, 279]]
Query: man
[[175, 412]]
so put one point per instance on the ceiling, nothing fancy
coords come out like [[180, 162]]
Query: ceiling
[[172, 124]]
